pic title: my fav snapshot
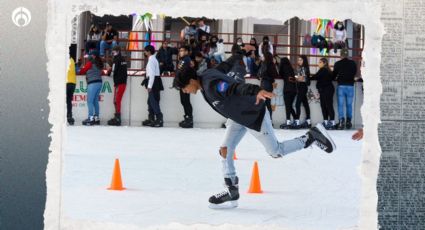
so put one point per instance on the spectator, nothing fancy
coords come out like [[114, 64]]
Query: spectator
[[119, 74], [326, 91], [344, 72], [253, 42], [265, 46], [189, 30], [289, 91], [70, 88], [241, 49], [253, 57], [153, 84], [109, 39], [268, 78], [303, 81], [93, 39], [165, 57], [194, 47], [216, 49], [204, 46], [339, 36], [93, 72], [203, 27], [201, 64], [185, 66], [239, 42]]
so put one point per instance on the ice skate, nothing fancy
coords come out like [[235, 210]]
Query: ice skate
[[228, 198], [319, 136]]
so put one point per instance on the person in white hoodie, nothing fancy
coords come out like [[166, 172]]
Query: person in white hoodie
[[266, 45], [216, 49], [154, 85]]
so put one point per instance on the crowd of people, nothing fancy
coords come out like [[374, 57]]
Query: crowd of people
[[200, 50]]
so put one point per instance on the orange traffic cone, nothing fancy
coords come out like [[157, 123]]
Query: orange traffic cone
[[255, 186], [116, 183], [234, 156]]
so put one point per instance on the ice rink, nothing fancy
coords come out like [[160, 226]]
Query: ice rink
[[170, 173]]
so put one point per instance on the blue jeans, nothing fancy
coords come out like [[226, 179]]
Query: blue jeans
[[235, 132], [104, 45], [345, 94], [93, 91], [217, 57], [153, 102], [251, 65]]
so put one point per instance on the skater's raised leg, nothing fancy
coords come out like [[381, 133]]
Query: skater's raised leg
[[273, 147]]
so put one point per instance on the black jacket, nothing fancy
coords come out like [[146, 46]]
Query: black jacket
[[231, 98], [165, 56], [271, 73], [119, 70], [344, 71], [324, 79], [304, 71], [289, 82]]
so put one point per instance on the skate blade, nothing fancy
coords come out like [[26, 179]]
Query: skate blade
[[225, 205], [326, 134]]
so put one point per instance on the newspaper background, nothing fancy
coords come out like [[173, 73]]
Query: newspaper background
[[401, 179]]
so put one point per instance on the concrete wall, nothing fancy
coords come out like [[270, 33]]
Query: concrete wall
[[134, 104]]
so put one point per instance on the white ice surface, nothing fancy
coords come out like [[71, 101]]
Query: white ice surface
[[169, 174]]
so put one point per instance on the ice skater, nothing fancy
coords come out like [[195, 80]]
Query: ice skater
[[225, 90]]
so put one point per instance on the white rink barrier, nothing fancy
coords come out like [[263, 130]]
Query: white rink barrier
[[134, 104]]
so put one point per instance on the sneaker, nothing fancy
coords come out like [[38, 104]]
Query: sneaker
[[187, 122], [319, 136], [348, 124], [286, 125], [295, 125], [227, 198], [149, 121], [116, 121], [89, 121], [331, 125], [158, 122], [341, 125], [70, 120], [96, 120], [304, 125]]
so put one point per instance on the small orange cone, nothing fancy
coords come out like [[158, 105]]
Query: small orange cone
[[255, 186], [116, 183], [234, 156]]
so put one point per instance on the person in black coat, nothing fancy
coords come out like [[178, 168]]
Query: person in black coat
[[183, 65], [165, 57], [268, 77], [119, 74], [289, 91], [242, 104], [326, 90], [344, 72], [302, 76]]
